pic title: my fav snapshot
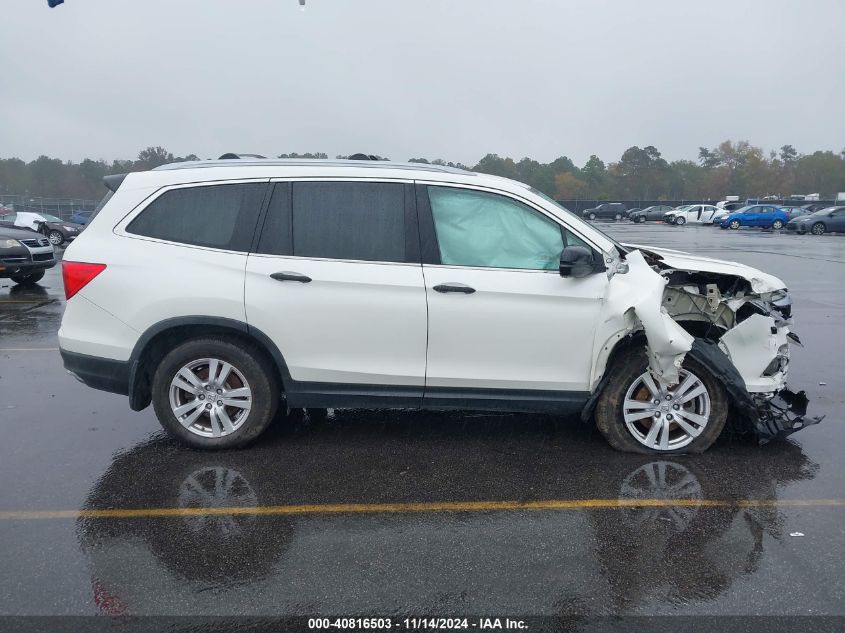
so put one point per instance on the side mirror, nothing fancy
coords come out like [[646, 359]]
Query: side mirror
[[576, 261]]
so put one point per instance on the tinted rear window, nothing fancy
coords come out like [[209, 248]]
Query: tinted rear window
[[337, 220], [218, 216]]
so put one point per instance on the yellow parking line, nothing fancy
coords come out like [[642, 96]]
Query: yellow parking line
[[437, 506]]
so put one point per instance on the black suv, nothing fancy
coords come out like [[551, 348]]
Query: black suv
[[24, 255], [609, 210]]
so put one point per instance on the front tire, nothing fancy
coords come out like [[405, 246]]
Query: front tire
[[213, 393], [592, 216], [818, 229], [31, 278], [640, 219], [56, 238], [735, 224], [680, 221], [687, 419]]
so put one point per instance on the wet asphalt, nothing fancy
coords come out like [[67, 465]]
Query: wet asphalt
[[67, 447]]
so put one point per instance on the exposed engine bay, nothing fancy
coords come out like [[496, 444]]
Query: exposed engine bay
[[731, 318]]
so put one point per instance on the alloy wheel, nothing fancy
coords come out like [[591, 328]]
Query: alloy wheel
[[55, 238], [210, 397], [666, 419], [818, 229]]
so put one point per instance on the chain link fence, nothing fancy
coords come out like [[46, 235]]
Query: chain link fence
[[60, 207]]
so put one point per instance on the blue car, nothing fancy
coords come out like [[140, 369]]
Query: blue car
[[764, 215], [81, 217]]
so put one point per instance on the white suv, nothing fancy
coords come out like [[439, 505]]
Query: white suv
[[219, 290]]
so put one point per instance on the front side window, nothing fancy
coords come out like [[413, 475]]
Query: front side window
[[216, 216], [480, 229]]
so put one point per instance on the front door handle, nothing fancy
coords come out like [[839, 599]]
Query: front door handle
[[291, 276], [463, 288]]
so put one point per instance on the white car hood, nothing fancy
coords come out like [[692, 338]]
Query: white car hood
[[760, 282]]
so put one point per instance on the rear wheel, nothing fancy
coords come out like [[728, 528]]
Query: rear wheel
[[734, 224], [31, 278], [56, 238], [637, 415], [212, 393], [777, 225], [818, 229], [618, 217]]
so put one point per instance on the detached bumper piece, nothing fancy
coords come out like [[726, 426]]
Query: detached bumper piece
[[782, 415], [768, 418]]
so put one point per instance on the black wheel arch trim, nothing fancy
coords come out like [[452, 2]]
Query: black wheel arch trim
[[138, 383]]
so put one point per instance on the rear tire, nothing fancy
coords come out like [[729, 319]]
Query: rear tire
[[28, 279], [777, 225], [56, 238], [818, 228], [624, 376], [251, 376], [618, 217]]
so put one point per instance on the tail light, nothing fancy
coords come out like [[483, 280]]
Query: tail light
[[77, 275]]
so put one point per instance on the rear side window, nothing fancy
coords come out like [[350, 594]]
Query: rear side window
[[217, 216], [362, 221]]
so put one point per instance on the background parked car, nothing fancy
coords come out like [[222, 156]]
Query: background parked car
[[607, 210], [628, 212], [81, 217], [820, 222], [651, 213], [24, 255], [691, 214], [763, 215], [794, 212], [730, 205], [56, 230]]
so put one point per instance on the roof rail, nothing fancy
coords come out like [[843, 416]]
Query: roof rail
[[312, 162], [233, 156]]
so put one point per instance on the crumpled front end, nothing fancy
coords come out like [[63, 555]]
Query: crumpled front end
[[731, 318]]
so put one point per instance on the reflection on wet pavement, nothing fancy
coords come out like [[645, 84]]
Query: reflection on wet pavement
[[420, 561]]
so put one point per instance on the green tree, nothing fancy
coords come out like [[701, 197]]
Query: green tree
[[153, 157]]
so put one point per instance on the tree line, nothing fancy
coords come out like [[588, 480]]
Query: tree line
[[731, 168]]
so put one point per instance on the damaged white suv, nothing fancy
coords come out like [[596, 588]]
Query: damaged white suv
[[219, 291]]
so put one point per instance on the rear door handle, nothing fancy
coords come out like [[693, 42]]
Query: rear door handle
[[451, 287], [291, 276]]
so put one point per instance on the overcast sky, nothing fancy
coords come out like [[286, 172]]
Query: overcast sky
[[453, 79]]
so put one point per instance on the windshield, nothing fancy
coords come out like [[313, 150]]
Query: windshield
[[50, 218], [824, 211], [622, 250]]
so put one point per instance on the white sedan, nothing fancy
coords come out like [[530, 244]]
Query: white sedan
[[692, 214]]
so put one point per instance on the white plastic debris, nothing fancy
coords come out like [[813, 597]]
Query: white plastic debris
[[796, 534]]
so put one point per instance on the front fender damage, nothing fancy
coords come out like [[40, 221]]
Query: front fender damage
[[722, 321]]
